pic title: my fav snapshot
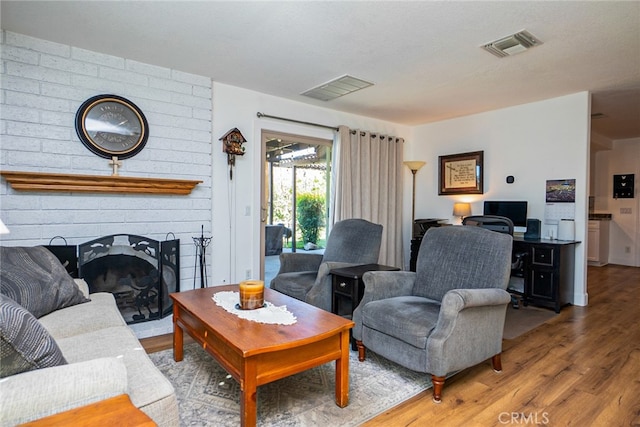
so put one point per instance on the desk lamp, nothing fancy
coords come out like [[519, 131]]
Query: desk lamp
[[461, 210]]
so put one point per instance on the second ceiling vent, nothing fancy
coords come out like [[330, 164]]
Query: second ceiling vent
[[337, 88], [513, 44]]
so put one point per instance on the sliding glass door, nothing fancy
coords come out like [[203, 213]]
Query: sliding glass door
[[295, 195]]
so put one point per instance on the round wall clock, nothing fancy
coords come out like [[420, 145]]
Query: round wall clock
[[110, 125]]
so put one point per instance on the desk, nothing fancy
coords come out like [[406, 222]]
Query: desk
[[548, 271]]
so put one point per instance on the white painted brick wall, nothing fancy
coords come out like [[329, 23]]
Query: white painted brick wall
[[42, 84]]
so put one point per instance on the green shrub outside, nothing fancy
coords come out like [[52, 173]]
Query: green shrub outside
[[310, 215]]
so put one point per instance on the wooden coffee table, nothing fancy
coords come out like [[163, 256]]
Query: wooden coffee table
[[115, 411], [256, 353]]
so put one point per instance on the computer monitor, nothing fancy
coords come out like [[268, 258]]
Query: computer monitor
[[516, 211]]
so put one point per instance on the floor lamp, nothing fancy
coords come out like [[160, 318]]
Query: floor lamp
[[414, 166]]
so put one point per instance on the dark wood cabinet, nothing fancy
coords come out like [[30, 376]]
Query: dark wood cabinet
[[548, 271], [420, 227], [348, 287]]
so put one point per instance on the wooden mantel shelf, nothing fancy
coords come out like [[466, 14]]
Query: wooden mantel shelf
[[44, 181]]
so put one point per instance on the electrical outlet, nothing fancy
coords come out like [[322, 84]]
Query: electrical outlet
[[625, 211], [248, 274], [627, 249], [247, 211]]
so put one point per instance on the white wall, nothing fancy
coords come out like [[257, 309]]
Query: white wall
[[624, 231], [237, 231], [533, 142], [43, 84], [598, 143]]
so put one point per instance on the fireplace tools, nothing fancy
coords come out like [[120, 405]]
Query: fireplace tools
[[201, 248]]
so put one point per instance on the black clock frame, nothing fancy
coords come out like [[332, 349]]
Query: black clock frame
[[92, 145]]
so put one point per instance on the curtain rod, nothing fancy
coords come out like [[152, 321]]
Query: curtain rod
[[260, 115]]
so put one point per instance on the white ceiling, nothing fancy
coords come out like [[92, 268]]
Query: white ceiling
[[423, 56]]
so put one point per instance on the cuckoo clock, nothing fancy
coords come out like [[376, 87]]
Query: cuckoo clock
[[232, 145]]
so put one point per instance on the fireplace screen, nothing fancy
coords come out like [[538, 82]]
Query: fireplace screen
[[138, 271]]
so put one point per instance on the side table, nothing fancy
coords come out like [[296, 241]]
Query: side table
[[348, 287]]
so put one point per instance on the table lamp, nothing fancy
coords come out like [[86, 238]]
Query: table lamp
[[461, 210]]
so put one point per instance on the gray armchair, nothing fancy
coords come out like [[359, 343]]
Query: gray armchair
[[449, 314], [502, 224], [273, 235], [306, 276]]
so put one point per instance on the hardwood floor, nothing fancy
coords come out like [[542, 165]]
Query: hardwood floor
[[582, 368], [161, 342]]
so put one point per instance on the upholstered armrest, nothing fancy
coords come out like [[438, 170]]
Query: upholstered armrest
[[42, 392], [387, 284], [457, 300], [469, 329], [290, 262], [326, 267], [83, 286]]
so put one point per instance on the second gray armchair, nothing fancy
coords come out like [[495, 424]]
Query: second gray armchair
[[449, 314], [306, 276]]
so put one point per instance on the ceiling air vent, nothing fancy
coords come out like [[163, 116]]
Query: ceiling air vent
[[513, 44], [336, 88]]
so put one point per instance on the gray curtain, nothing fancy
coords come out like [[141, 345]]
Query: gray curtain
[[367, 178]]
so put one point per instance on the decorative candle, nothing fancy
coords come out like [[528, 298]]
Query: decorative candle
[[251, 294]]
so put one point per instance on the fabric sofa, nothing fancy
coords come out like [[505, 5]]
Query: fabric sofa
[[100, 355]]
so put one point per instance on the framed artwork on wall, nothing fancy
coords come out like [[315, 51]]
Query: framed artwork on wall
[[561, 191], [623, 186], [461, 173]]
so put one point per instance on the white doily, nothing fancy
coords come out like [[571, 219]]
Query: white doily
[[268, 314]]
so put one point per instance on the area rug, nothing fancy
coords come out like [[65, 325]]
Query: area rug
[[524, 319], [208, 396]]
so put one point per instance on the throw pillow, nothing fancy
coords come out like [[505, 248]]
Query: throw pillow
[[25, 344], [34, 278]]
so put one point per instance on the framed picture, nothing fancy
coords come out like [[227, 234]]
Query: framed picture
[[460, 173], [561, 191]]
